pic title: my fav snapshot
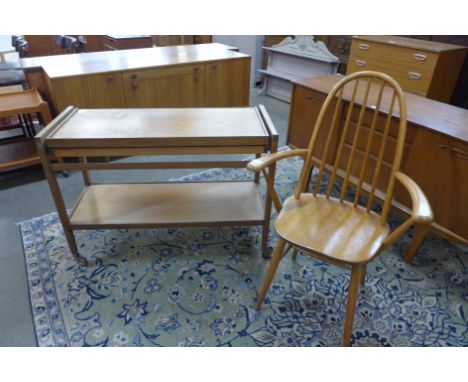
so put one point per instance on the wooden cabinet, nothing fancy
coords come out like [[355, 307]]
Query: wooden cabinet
[[426, 68], [225, 83], [45, 45], [181, 86], [440, 166], [208, 75], [95, 91], [435, 154], [119, 42], [305, 107], [214, 84]]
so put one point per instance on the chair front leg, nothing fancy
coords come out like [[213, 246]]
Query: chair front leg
[[353, 292], [276, 258]]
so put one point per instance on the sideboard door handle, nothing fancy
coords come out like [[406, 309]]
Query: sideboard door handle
[[414, 75], [419, 57], [134, 84], [457, 152], [364, 46], [360, 63]]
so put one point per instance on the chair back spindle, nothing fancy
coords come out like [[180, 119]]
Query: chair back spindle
[[360, 152]]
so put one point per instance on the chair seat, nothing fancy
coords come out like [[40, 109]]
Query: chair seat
[[326, 227]]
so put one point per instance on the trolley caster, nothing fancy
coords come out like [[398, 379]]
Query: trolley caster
[[267, 253], [81, 261]]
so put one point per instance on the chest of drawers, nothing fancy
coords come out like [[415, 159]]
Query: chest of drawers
[[429, 69]]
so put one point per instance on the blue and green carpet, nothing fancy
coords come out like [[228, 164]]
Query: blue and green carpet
[[197, 287]]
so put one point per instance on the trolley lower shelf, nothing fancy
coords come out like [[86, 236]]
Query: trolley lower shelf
[[168, 205]]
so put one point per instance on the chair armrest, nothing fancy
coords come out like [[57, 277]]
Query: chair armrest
[[422, 212], [258, 164]]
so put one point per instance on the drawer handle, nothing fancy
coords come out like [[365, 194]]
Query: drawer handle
[[457, 152], [364, 46], [214, 66], [134, 84], [110, 78], [419, 57], [414, 75], [360, 63]]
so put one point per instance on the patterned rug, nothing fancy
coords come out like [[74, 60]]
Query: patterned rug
[[197, 287]]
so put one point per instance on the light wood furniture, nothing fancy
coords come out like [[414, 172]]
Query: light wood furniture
[[88, 133], [120, 42], [167, 40], [18, 153], [328, 226], [45, 45], [10, 89], [294, 58], [435, 154], [205, 75], [426, 68]]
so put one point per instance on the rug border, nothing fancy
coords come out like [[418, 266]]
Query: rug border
[[20, 228]]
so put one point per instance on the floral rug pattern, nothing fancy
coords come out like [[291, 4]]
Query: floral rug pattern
[[197, 287]]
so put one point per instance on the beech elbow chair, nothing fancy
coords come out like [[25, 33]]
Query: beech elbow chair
[[324, 224]]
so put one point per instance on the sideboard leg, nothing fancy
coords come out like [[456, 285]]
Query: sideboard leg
[[420, 231]]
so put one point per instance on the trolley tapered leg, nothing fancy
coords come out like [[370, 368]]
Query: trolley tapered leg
[[59, 203]]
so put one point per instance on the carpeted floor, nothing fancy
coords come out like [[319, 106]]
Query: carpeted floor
[[197, 287]]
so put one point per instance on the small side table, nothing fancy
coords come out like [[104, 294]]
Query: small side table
[[21, 152]]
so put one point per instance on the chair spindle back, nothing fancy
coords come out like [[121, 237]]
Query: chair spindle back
[[360, 93]]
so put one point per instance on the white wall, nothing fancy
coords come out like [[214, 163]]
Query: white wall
[[5, 43], [5, 46], [251, 45]]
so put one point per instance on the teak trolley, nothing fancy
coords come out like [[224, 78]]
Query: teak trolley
[[103, 133]]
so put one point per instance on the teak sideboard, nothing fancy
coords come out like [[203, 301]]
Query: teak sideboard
[[435, 154], [85, 134], [205, 75]]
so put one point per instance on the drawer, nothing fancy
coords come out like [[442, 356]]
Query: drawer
[[380, 123], [410, 78], [395, 55]]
